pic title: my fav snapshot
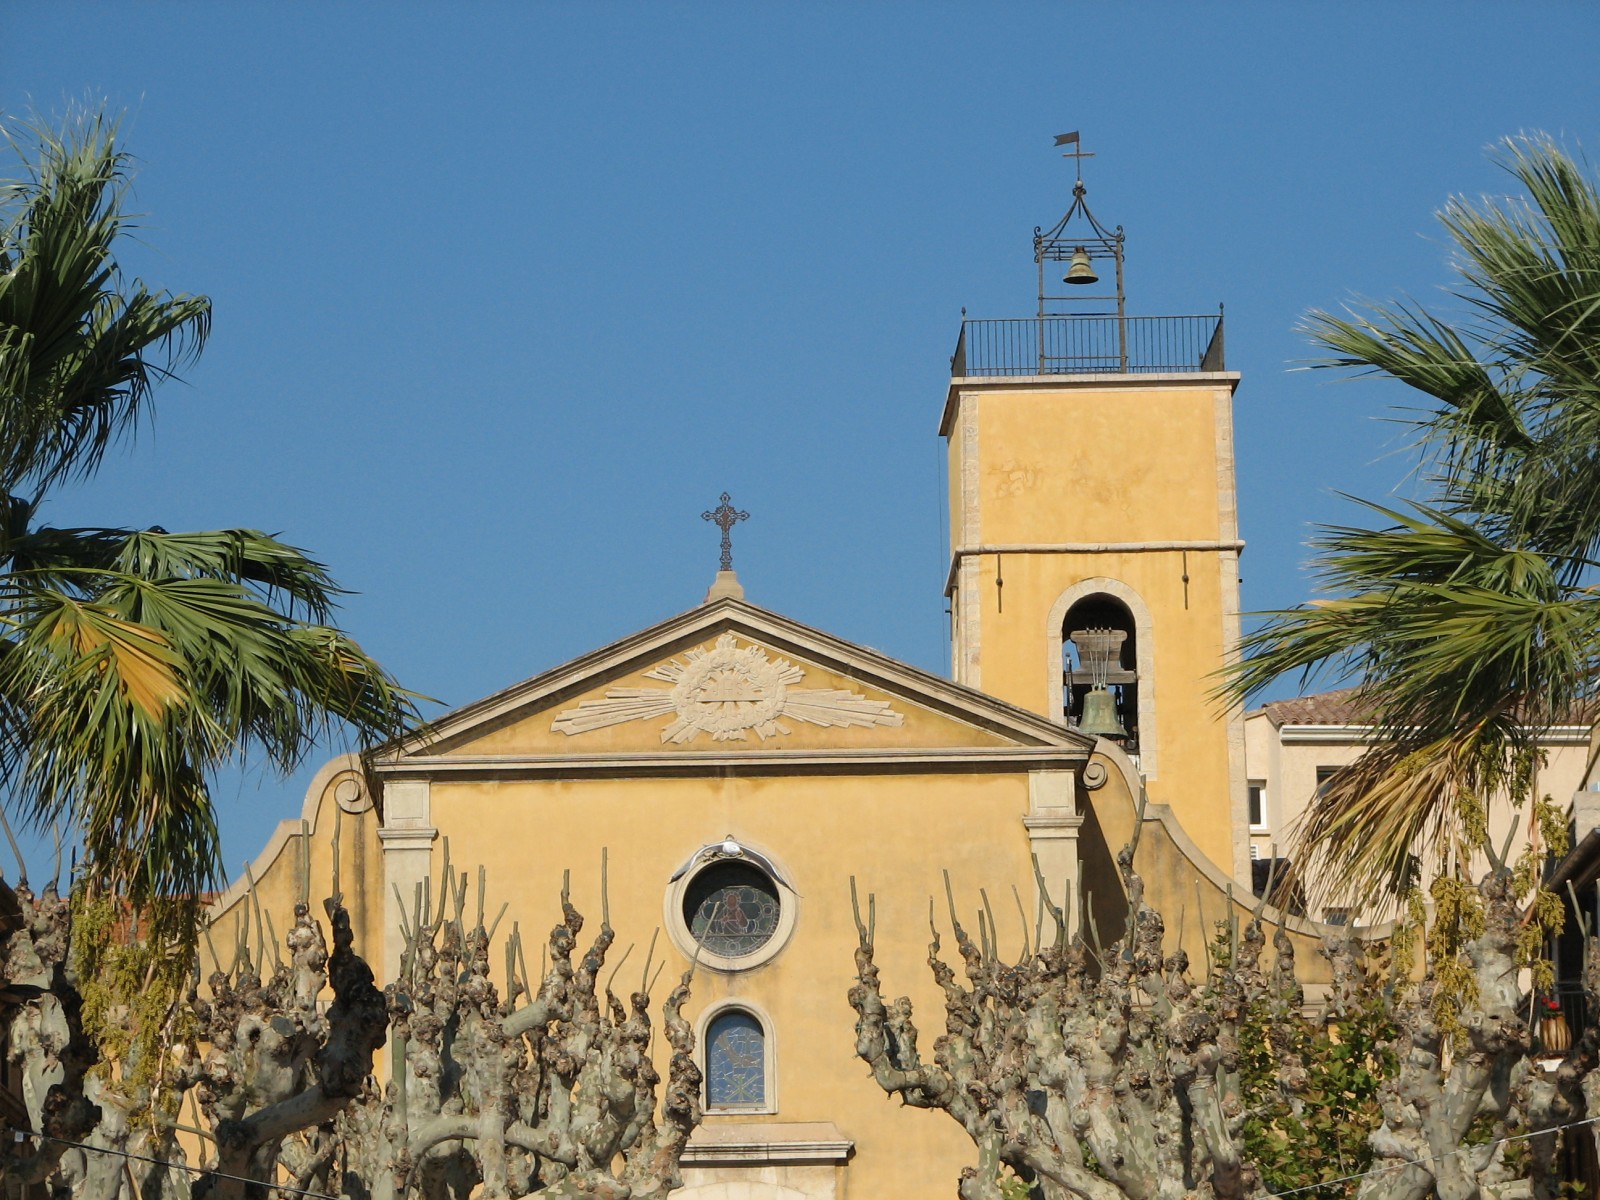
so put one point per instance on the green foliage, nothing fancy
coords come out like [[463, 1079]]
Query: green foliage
[[1013, 1186], [1319, 1132], [1458, 918], [134, 663], [133, 993]]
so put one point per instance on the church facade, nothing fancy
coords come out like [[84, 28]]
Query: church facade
[[737, 769]]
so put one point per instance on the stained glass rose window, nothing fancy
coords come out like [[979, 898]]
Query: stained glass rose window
[[731, 909]]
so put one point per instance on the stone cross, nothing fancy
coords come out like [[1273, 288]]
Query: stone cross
[[725, 515]]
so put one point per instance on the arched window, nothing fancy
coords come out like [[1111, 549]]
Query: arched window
[[1099, 645], [736, 1061]]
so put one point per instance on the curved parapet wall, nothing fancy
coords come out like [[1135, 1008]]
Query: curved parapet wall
[[299, 860], [1191, 892]]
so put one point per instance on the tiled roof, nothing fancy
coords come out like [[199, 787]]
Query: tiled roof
[[1338, 707], [1341, 707]]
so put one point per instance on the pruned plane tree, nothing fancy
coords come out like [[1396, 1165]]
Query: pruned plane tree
[[543, 1085], [1115, 1073]]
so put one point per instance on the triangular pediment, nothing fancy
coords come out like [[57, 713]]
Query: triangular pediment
[[729, 678]]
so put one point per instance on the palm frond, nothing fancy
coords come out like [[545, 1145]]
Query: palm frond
[[1428, 354], [275, 569], [1372, 825], [81, 346], [129, 702], [98, 700], [1466, 619], [134, 663]]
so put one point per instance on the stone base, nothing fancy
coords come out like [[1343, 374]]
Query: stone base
[[725, 586], [800, 1160]]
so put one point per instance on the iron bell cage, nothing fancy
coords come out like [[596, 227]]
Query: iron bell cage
[[1079, 241]]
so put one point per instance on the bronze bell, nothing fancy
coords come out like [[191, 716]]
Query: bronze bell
[[1080, 270], [1100, 715]]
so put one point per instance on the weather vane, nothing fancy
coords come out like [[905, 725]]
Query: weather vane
[[725, 515], [1077, 151]]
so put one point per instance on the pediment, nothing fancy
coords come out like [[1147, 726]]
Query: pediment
[[731, 678]]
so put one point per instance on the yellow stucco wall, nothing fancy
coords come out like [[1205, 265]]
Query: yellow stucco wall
[[1099, 464], [1191, 894], [1114, 471], [894, 828], [947, 787], [894, 834], [1190, 731], [892, 805], [279, 870]]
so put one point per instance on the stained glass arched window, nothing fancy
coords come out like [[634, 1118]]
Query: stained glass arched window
[[736, 1064]]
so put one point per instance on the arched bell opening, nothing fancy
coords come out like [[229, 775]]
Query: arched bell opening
[[1100, 676]]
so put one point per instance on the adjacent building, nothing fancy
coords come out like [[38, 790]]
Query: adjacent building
[[1293, 746]]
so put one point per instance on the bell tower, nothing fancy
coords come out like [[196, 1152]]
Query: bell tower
[[1094, 535]]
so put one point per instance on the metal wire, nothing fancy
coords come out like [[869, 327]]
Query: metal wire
[[1310, 1187], [162, 1162], [1418, 1162]]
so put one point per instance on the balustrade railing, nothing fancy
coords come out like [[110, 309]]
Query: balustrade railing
[[1110, 345]]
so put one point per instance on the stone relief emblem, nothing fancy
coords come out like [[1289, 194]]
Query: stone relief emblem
[[728, 692]]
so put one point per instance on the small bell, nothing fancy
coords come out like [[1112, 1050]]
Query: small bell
[[1080, 270], [1100, 715]]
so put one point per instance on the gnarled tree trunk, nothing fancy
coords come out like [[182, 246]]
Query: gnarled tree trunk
[[552, 1089], [1116, 1076]]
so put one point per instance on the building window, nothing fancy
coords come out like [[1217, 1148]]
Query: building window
[[732, 908], [1287, 894], [1336, 916], [1324, 774], [1258, 803], [736, 1061], [729, 907]]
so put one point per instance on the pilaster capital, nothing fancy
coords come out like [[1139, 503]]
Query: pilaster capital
[[1048, 826], [415, 837]]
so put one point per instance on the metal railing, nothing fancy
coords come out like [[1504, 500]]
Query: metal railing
[[1574, 1003], [1088, 345]]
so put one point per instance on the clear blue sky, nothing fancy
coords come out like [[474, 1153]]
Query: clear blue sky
[[507, 294]]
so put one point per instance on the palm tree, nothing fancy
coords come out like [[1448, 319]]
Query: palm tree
[[133, 663], [1468, 617]]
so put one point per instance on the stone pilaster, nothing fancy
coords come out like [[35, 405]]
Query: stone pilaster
[[1052, 823], [407, 835]]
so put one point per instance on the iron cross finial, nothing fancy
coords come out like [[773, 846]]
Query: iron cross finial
[[725, 515]]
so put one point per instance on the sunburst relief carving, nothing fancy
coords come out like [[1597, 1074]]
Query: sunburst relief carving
[[728, 692]]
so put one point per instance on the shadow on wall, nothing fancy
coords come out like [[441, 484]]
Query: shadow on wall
[[1104, 901], [1191, 893]]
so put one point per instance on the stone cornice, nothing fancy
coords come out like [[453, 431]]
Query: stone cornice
[[965, 759], [1053, 821], [960, 552], [1150, 381], [751, 1144], [408, 838]]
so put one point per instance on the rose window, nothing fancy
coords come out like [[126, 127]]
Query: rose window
[[732, 909]]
